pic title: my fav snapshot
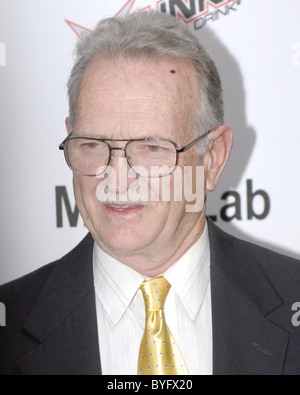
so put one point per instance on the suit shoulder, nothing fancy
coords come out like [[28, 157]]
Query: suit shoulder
[[237, 247], [269, 260], [283, 271], [18, 294], [18, 297]]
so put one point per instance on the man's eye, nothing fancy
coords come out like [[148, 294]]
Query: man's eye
[[153, 148], [91, 146]]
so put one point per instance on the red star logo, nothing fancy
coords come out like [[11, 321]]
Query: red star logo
[[124, 11]]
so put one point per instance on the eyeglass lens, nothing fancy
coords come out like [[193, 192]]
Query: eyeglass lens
[[147, 158]]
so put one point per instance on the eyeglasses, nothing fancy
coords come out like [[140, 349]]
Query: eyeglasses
[[149, 157]]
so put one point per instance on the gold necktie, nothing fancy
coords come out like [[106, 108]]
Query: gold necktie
[[159, 354]]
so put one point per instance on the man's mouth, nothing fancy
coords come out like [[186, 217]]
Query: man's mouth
[[124, 208]]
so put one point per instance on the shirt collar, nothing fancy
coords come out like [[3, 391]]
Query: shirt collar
[[190, 275], [116, 284]]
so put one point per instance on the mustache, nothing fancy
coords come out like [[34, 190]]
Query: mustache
[[131, 196]]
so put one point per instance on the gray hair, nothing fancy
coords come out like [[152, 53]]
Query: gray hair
[[157, 36]]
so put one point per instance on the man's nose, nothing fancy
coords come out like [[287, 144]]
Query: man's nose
[[118, 155], [118, 172]]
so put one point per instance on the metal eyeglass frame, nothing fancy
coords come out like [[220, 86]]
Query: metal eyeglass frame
[[107, 141]]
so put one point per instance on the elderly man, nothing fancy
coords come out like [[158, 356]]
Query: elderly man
[[155, 287]]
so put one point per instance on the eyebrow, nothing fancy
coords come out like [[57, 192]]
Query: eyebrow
[[141, 136], [89, 135]]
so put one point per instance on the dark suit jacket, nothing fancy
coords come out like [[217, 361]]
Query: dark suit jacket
[[52, 325]]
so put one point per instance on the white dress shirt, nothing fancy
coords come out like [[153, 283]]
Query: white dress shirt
[[121, 310]]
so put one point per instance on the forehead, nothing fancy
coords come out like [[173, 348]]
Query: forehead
[[134, 94]]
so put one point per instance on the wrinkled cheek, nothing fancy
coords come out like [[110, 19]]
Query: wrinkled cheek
[[85, 194]]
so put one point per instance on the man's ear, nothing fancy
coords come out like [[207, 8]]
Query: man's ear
[[218, 155], [68, 127]]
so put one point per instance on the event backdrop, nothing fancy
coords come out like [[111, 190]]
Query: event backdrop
[[256, 45]]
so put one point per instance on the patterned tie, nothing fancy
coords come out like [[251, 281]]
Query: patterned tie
[[159, 354]]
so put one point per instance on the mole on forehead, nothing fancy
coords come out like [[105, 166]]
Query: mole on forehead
[[183, 80], [125, 65]]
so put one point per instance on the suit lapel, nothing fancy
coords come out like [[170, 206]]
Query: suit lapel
[[63, 319], [245, 341]]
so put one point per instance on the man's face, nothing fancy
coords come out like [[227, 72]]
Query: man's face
[[133, 100]]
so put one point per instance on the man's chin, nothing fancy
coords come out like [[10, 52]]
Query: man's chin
[[121, 246], [122, 240]]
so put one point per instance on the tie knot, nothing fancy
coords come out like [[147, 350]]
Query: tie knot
[[155, 293]]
